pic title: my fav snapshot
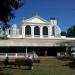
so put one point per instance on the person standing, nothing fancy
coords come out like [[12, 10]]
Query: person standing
[[45, 53], [6, 62]]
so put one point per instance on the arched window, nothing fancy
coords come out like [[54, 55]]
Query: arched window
[[28, 30], [45, 30], [53, 30], [36, 30]]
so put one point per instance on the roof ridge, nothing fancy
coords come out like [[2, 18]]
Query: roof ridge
[[36, 17]]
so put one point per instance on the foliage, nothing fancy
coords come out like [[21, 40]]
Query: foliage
[[24, 62], [63, 33], [71, 31], [7, 8]]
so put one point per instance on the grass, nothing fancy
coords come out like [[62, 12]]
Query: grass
[[47, 66]]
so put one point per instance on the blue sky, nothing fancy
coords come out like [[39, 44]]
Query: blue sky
[[62, 10]]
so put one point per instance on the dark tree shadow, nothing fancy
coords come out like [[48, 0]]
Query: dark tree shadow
[[70, 65], [15, 67], [3, 73], [63, 58]]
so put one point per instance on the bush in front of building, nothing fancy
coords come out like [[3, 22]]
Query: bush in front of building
[[24, 62]]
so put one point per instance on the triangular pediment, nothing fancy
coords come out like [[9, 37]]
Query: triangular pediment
[[36, 19]]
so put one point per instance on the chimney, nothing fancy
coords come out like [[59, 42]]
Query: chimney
[[53, 21]]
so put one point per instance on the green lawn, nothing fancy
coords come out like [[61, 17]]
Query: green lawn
[[48, 66]]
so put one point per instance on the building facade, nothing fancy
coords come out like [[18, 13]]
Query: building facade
[[39, 27], [37, 33], [35, 27]]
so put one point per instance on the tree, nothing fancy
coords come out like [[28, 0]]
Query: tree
[[71, 31], [7, 8], [63, 33]]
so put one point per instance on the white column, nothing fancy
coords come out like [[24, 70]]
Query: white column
[[16, 54], [41, 32], [49, 31], [26, 53], [6, 55], [32, 31], [23, 31]]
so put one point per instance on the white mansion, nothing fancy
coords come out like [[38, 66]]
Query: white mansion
[[36, 31], [35, 27]]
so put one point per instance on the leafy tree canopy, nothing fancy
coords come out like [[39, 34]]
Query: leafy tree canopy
[[63, 33], [7, 8], [71, 31]]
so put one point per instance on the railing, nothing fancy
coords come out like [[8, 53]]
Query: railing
[[36, 35], [45, 35], [2, 54], [11, 55], [27, 35], [14, 54]]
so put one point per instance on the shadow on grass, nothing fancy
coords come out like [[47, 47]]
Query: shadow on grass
[[70, 65], [63, 58], [3, 69], [15, 67], [2, 73]]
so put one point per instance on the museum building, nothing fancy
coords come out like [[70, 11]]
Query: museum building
[[35, 34], [35, 27]]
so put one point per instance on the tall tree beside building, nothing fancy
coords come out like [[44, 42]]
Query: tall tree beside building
[[7, 9], [71, 31], [63, 33]]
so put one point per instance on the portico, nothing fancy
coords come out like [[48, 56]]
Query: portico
[[35, 31]]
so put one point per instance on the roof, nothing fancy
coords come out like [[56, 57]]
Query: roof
[[52, 18], [36, 19], [37, 42]]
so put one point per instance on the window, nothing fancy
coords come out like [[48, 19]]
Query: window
[[45, 30], [28, 30], [36, 30]]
